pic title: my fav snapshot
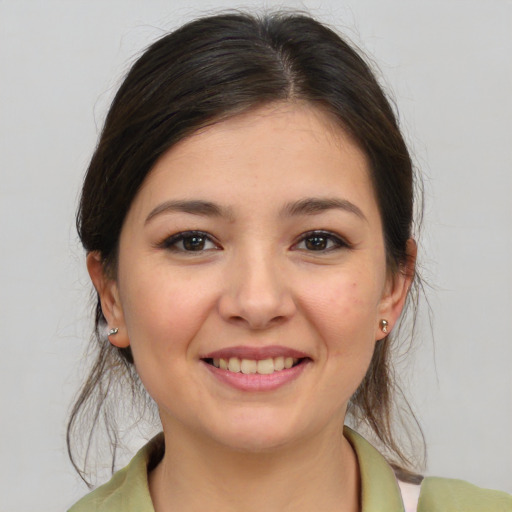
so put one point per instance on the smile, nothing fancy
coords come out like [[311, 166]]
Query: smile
[[251, 366], [256, 369]]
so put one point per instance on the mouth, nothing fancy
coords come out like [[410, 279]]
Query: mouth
[[265, 366], [256, 369]]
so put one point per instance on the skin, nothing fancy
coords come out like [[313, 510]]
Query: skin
[[256, 282]]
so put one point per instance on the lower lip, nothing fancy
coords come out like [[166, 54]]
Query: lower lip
[[256, 381]]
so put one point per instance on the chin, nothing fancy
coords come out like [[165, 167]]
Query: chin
[[259, 433], [257, 442]]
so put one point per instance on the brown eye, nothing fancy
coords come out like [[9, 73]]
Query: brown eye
[[189, 241], [194, 243], [321, 241], [316, 243]]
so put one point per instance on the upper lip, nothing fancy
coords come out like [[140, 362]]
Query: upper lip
[[257, 353]]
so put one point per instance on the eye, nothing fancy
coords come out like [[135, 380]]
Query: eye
[[319, 241], [190, 241]]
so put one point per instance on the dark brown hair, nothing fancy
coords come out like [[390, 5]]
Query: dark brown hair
[[206, 71]]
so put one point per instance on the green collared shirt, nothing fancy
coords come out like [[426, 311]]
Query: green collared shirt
[[128, 489]]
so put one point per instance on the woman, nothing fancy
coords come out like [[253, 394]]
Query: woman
[[247, 217]]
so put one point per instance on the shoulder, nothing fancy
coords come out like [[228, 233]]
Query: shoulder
[[380, 490], [128, 489], [445, 494], [110, 497]]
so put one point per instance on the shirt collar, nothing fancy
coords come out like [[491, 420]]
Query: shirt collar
[[379, 487]]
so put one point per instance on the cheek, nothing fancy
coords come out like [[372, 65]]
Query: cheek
[[342, 311], [163, 313], [344, 308], [162, 323]]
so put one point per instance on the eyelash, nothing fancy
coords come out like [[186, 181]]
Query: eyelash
[[336, 241], [171, 243], [330, 241]]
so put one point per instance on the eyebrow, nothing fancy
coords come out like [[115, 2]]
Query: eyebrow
[[194, 207], [306, 206], [315, 205]]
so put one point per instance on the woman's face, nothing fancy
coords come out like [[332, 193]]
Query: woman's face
[[254, 245]]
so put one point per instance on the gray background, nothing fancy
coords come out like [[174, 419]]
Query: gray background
[[448, 64]]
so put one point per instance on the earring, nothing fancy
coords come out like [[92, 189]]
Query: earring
[[384, 326], [113, 331]]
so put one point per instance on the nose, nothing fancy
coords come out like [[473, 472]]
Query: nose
[[257, 293]]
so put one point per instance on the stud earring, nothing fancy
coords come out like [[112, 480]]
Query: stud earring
[[113, 331], [384, 326]]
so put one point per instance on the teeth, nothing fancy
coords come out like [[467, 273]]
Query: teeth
[[234, 365], [248, 366], [266, 366]]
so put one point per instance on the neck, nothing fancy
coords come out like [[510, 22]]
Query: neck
[[197, 474]]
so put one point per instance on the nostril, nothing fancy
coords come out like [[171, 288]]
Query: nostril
[[258, 309], [258, 323]]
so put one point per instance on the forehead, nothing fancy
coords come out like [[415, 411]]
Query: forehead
[[279, 152]]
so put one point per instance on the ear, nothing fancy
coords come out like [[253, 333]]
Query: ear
[[396, 291], [109, 297]]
